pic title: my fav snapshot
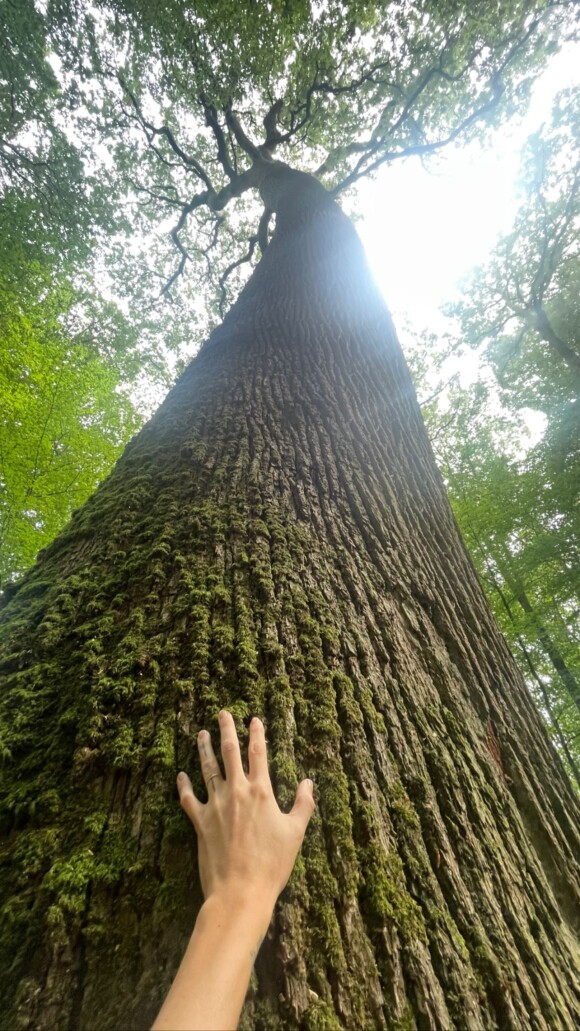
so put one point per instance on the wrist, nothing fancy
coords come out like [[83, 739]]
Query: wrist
[[231, 901]]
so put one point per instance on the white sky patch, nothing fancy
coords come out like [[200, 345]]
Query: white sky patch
[[423, 230]]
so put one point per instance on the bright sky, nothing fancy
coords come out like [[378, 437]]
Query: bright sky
[[423, 230]]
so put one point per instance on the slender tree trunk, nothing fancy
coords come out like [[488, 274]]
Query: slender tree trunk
[[277, 540], [556, 658], [554, 654], [553, 719]]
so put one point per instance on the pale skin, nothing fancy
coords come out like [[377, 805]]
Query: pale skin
[[247, 849]]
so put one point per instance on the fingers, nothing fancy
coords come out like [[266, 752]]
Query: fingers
[[189, 803], [231, 755], [304, 805], [257, 752], [210, 769]]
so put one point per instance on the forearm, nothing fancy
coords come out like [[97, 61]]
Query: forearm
[[211, 984]]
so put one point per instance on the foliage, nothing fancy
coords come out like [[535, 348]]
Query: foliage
[[523, 305], [69, 352], [65, 411], [334, 89], [192, 103]]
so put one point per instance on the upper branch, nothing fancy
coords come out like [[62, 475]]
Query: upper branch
[[375, 146], [196, 202], [420, 148], [211, 119], [273, 136], [240, 136], [235, 264], [166, 132]]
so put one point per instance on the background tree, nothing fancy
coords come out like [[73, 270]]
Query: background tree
[[517, 505], [277, 540], [72, 350], [64, 418], [511, 521]]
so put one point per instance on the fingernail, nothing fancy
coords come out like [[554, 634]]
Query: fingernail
[[310, 784], [180, 778], [256, 722], [221, 714], [201, 735]]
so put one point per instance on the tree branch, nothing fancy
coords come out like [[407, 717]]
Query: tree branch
[[235, 264], [240, 136], [196, 202], [263, 229], [211, 120], [547, 333], [439, 390], [216, 202], [168, 135], [273, 137], [420, 148], [373, 146]]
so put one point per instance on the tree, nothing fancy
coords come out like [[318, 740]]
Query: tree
[[277, 539], [523, 305]]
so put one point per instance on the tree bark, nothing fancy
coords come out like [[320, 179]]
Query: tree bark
[[277, 540]]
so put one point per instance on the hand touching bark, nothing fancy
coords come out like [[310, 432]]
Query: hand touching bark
[[247, 849], [247, 846]]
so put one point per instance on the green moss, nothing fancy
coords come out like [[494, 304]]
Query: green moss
[[67, 882], [400, 807], [283, 772], [383, 893], [162, 751], [323, 927], [406, 1022], [320, 1016], [33, 852]]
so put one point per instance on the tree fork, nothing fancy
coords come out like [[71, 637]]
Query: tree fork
[[277, 540]]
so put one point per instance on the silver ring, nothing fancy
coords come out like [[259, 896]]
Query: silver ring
[[213, 776]]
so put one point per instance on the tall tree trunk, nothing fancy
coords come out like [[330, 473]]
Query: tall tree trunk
[[277, 540]]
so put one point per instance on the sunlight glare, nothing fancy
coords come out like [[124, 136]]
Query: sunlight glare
[[424, 229]]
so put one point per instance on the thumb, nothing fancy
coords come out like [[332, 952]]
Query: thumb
[[304, 805], [189, 803]]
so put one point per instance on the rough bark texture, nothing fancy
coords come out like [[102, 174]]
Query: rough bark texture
[[277, 540]]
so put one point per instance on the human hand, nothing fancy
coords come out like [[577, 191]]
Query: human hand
[[247, 846]]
